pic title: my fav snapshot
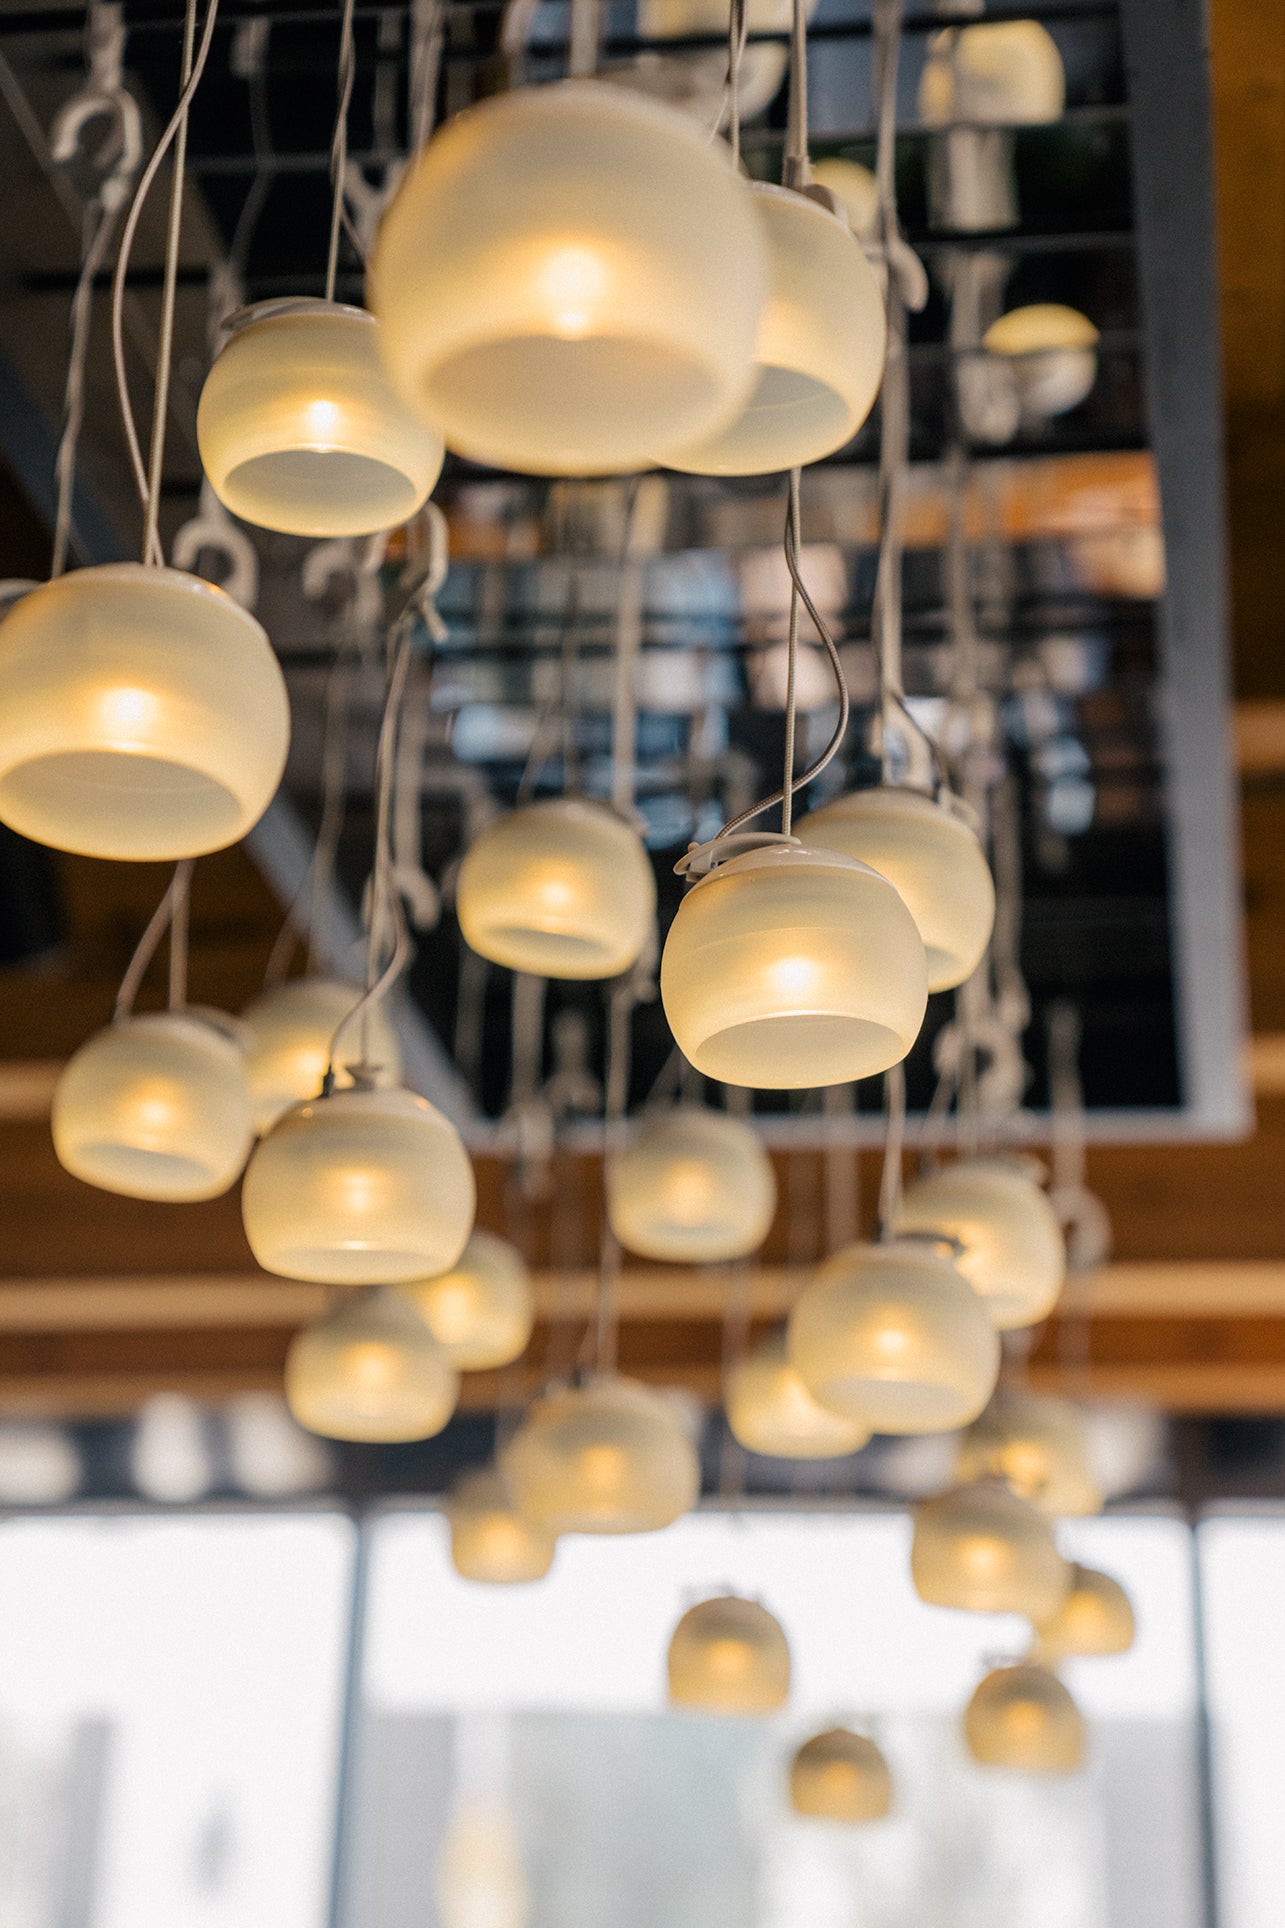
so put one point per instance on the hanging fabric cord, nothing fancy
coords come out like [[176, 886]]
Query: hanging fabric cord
[[339, 144], [170, 914]]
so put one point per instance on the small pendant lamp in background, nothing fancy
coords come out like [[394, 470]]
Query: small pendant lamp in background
[[1095, 1619], [729, 1656], [1038, 1447], [996, 73], [693, 1187], [490, 1541], [1051, 353], [289, 1028], [370, 1370], [1012, 1249], [1024, 1719], [481, 1311], [607, 1456], [771, 1411], [840, 1776], [983, 1550], [480, 1880]]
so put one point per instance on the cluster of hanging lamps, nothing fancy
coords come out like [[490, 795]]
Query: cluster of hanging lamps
[[840, 1776], [693, 1186], [1037, 1445], [288, 1030], [1050, 352], [562, 889], [492, 1542], [1011, 1248], [606, 1456], [482, 1310], [1023, 1718], [1095, 1619], [729, 1655], [770, 1410], [370, 1370], [981, 1549], [993, 73]]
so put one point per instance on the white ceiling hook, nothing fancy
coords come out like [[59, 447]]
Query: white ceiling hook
[[212, 532]]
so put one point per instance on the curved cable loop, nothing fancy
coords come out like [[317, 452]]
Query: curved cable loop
[[170, 910], [212, 531]]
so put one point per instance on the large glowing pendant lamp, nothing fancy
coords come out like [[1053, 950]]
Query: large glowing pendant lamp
[[729, 1656], [820, 348], [155, 1107], [1012, 1250], [695, 1187], [933, 859], [289, 1029], [608, 1456], [299, 428], [893, 1337], [560, 889], [144, 715], [361, 1188], [1037, 1446], [1023, 1718], [1095, 1619], [1051, 351], [840, 1776], [997, 73], [789, 967], [771, 1411], [371, 1370], [981, 1549], [481, 1311], [569, 281], [490, 1541]]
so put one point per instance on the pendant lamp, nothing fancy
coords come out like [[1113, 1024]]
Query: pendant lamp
[[569, 281], [364, 1187], [854, 187], [933, 860], [1051, 351], [893, 1337], [608, 1456], [289, 1029], [1023, 1718], [479, 1880], [790, 967], [144, 717], [1095, 1619], [1037, 1446], [983, 1550], [729, 1656], [155, 1107], [820, 347], [371, 1370], [490, 1541], [299, 428], [694, 1187], [840, 1776], [996, 73], [481, 1311], [1013, 1253], [561, 889], [771, 1411]]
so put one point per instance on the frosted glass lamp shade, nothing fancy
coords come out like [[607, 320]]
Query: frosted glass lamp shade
[[729, 1656], [299, 428], [144, 717], [481, 1311], [983, 1550], [790, 967], [1052, 354], [362, 1188], [855, 188], [610, 1456], [561, 889], [155, 1107], [695, 1187], [998, 73], [289, 1029], [1013, 1252], [1095, 1619], [840, 1776], [1037, 1446], [771, 1411], [569, 281], [371, 1370], [934, 861], [1023, 1718], [820, 347], [490, 1541], [894, 1338]]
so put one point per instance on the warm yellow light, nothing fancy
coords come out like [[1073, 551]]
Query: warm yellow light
[[1052, 355], [855, 188], [1095, 1619], [609, 1456], [771, 1411], [840, 1776], [289, 1029], [481, 1311], [370, 1370], [729, 1656], [982, 1549], [299, 428], [997, 73], [569, 280], [1038, 1447], [480, 1881], [694, 1186], [144, 716], [1023, 1718], [1013, 1252], [490, 1540]]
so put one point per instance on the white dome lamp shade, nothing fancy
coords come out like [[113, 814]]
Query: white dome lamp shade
[[840, 1776], [490, 1540], [820, 348], [696, 80], [288, 1033], [771, 1411], [608, 1456], [932, 858], [982, 1550], [1038, 1447], [561, 889], [1095, 1620], [694, 1187], [996, 73], [1051, 353], [894, 1338], [1022, 1718], [145, 715], [300, 430], [569, 281], [372, 1371], [1011, 1248], [364, 1187], [155, 1106], [480, 1312], [789, 967], [729, 1656]]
